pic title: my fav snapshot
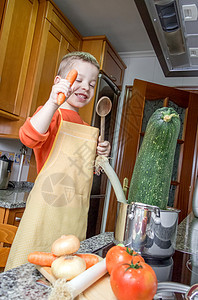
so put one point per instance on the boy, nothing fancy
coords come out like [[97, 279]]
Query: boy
[[48, 117], [65, 149]]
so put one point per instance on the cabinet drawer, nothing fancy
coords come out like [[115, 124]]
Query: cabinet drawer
[[15, 218], [11, 216], [112, 66]]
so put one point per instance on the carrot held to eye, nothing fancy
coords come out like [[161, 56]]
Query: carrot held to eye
[[71, 77], [43, 259]]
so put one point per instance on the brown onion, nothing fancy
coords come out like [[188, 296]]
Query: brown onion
[[65, 245], [68, 267]]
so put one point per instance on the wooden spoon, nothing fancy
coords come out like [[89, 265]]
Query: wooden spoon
[[103, 107]]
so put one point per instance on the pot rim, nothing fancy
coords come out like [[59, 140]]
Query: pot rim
[[153, 207]]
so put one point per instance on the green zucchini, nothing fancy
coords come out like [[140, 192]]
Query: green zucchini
[[151, 178]]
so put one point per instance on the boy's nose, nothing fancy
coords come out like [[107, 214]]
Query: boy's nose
[[85, 85]]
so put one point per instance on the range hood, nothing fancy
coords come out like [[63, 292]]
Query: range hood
[[172, 26]]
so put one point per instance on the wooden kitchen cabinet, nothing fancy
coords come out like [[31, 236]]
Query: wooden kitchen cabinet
[[2, 5], [11, 216], [31, 48], [110, 64], [35, 35], [54, 37], [109, 60], [17, 29]]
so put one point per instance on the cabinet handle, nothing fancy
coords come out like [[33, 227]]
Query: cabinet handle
[[112, 78], [17, 219]]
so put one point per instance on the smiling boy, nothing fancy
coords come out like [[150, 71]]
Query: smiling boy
[[65, 148], [40, 131]]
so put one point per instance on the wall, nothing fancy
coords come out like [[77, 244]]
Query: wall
[[145, 66], [11, 148]]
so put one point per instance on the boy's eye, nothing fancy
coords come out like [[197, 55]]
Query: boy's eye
[[92, 85]]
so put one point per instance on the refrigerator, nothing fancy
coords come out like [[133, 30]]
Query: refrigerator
[[105, 87]]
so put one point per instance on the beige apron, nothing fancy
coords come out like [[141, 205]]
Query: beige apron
[[59, 201]]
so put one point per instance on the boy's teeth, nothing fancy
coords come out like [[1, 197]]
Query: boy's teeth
[[82, 96]]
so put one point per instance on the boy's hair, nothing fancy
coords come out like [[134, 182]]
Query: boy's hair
[[69, 59]]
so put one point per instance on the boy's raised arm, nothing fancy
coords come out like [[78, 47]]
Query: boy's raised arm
[[41, 120]]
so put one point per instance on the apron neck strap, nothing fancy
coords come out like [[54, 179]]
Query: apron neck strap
[[60, 114]]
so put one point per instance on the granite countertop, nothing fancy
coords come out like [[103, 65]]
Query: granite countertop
[[20, 283], [16, 195], [187, 235]]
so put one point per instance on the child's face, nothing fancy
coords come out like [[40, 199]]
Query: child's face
[[83, 87]]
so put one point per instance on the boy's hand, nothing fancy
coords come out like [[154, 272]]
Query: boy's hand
[[61, 86], [42, 119], [103, 148]]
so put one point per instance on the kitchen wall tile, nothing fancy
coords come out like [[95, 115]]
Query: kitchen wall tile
[[11, 155], [11, 148], [26, 161], [17, 158]]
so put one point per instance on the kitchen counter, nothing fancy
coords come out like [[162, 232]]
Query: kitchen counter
[[187, 235], [20, 283], [15, 197]]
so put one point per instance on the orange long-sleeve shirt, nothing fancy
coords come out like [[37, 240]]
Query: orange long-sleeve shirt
[[42, 143]]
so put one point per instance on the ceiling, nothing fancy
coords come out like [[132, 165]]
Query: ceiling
[[122, 24], [119, 20]]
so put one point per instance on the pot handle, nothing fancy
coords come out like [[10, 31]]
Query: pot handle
[[157, 219]]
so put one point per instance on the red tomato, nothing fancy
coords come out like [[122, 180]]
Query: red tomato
[[118, 254], [134, 282]]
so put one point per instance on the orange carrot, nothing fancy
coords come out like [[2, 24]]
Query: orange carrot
[[60, 98], [90, 259], [43, 259], [71, 77]]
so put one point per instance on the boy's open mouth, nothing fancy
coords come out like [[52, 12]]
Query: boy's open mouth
[[82, 97]]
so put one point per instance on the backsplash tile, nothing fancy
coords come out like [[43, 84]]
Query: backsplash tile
[[11, 148], [16, 157]]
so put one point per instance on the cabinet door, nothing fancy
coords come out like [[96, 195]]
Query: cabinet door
[[140, 102], [54, 37], [11, 216], [112, 66], [18, 23], [109, 60], [54, 47], [2, 4]]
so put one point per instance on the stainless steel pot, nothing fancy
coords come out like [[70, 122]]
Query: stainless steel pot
[[5, 171], [147, 229]]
